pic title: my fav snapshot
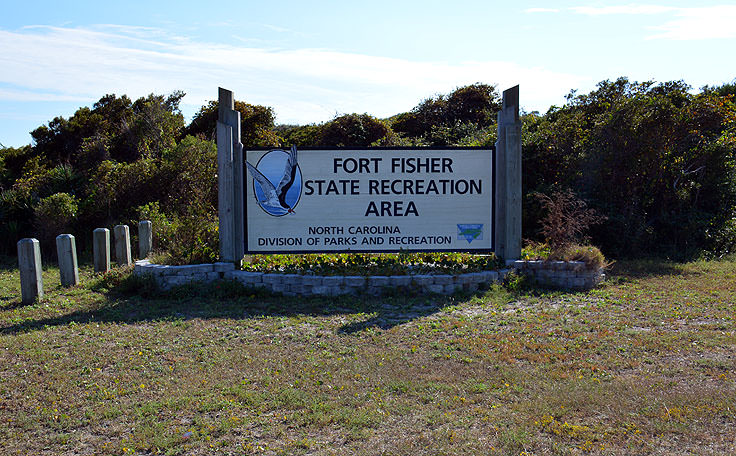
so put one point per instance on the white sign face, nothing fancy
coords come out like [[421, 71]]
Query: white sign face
[[368, 200]]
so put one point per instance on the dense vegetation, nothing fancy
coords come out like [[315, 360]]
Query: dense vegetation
[[657, 161]]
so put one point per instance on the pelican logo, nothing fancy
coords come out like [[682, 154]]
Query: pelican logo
[[277, 181], [470, 231]]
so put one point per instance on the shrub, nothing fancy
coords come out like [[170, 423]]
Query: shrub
[[195, 240], [115, 128], [373, 263], [119, 187], [16, 218], [189, 238], [256, 124], [535, 251], [722, 240], [564, 227], [657, 159], [437, 119], [55, 215], [590, 255], [162, 227], [298, 135], [567, 218], [360, 130]]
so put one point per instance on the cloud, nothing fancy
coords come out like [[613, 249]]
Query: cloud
[[623, 9], [692, 23], [303, 85], [714, 22], [541, 10], [276, 28], [11, 94]]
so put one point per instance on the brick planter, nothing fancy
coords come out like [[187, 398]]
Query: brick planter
[[167, 277], [561, 274]]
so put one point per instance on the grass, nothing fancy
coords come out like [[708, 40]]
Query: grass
[[644, 365]]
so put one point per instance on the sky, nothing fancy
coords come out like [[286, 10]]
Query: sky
[[311, 61]]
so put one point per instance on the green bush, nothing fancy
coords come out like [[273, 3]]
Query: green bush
[[588, 254], [55, 215], [373, 263], [450, 119], [184, 214], [256, 124], [721, 239], [656, 159], [16, 218], [360, 130], [120, 187], [163, 228], [187, 239], [298, 135]]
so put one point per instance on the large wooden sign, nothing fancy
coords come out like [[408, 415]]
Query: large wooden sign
[[368, 200]]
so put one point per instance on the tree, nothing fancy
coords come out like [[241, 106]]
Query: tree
[[442, 119], [115, 128], [477, 103], [654, 158], [358, 130], [298, 135], [256, 124]]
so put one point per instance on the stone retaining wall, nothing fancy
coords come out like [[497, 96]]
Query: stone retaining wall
[[306, 285], [562, 274]]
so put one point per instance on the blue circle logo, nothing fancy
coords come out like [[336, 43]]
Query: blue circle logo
[[277, 181]]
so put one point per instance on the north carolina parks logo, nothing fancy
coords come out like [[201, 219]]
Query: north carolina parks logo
[[470, 231], [277, 181]]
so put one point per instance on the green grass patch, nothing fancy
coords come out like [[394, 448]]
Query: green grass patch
[[642, 365]]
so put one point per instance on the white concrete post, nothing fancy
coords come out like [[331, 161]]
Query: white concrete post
[[101, 247], [230, 179], [29, 264], [66, 250], [508, 178], [145, 238], [122, 245]]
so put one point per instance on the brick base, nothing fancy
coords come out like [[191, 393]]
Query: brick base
[[309, 285]]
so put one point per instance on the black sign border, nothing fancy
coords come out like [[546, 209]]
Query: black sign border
[[425, 149]]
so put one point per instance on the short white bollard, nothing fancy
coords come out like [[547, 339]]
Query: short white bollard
[[29, 264], [101, 247], [122, 245], [66, 250], [145, 238]]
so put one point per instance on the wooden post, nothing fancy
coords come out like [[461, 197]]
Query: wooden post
[[508, 178], [224, 188], [122, 245], [145, 238], [66, 250], [29, 264], [101, 247], [230, 179]]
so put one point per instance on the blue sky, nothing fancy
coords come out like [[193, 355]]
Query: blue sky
[[313, 60]]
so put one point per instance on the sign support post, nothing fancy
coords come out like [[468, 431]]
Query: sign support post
[[230, 178], [508, 178]]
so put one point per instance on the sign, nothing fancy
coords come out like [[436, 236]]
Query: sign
[[368, 200]]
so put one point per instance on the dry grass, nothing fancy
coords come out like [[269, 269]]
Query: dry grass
[[644, 365]]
